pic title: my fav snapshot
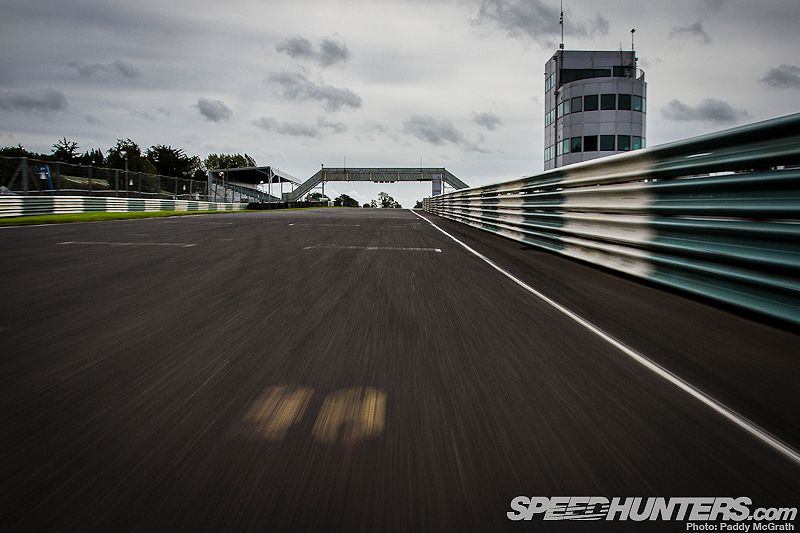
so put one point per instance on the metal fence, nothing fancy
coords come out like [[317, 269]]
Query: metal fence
[[716, 215], [22, 175]]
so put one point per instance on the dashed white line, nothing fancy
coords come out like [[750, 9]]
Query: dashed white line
[[395, 248], [110, 243], [745, 424]]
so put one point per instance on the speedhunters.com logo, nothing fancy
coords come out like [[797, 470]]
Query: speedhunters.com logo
[[733, 514]]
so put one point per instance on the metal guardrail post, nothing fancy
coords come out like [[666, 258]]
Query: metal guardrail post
[[24, 167]]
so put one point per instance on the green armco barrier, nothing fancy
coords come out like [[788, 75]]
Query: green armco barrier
[[716, 215]]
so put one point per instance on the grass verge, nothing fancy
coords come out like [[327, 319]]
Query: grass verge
[[95, 217]]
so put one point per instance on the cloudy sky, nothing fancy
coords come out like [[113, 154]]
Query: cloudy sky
[[453, 83]]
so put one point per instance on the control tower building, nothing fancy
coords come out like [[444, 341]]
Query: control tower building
[[595, 105]]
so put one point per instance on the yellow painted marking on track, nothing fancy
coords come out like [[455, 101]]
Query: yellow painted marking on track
[[351, 415], [280, 407]]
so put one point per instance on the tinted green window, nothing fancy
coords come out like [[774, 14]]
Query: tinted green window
[[623, 101], [590, 102], [565, 146], [577, 104], [623, 142], [608, 101], [636, 103], [565, 107], [636, 143], [558, 149], [644, 105], [590, 143], [607, 143], [575, 144], [574, 74]]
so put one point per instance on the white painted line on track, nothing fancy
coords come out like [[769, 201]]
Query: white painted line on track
[[745, 424], [395, 248], [109, 243]]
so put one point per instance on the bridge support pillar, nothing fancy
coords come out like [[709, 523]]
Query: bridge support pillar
[[436, 185]]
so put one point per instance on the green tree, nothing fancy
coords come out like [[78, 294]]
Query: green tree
[[366, 205], [93, 157], [169, 161], [66, 151], [314, 197], [136, 162], [196, 168], [344, 200], [373, 203], [418, 205], [223, 161], [16, 151], [387, 201]]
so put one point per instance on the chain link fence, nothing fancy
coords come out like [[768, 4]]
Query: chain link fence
[[26, 176]]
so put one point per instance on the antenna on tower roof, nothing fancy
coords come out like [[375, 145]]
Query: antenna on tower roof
[[633, 30], [561, 22]]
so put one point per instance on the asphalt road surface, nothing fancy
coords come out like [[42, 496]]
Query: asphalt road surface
[[358, 370]]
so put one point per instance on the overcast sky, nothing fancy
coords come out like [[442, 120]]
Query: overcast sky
[[299, 83]]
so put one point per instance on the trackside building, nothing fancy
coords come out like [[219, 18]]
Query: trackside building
[[595, 105]]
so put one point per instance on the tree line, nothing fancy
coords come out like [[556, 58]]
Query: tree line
[[158, 159]]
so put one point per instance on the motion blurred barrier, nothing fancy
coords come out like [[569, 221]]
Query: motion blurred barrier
[[14, 206], [716, 215]]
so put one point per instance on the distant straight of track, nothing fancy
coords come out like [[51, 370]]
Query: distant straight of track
[[364, 369]]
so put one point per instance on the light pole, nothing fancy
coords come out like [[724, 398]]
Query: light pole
[[224, 190], [124, 154]]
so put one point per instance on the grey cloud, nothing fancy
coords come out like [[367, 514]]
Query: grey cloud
[[537, 20], [330, 52], [337, 127], [296, 47], [47, 101], [214, 110], [714, 5], [127, 70], [87, 70], [287, 128], [692, 30], [490, 121], [296, 86], [437, 132], [708, 110], [782, 77], [428, 129], [374, 127]]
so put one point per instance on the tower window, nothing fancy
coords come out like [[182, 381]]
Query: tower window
[[624, 101], [623, 143], [607, 143], [608, 101], [577, 104], [636, 102], [637, 143], [575, 144], [590, 102], [575, 74], [590, 143]]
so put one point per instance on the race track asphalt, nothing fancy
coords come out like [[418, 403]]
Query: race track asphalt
[[358, 370]]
